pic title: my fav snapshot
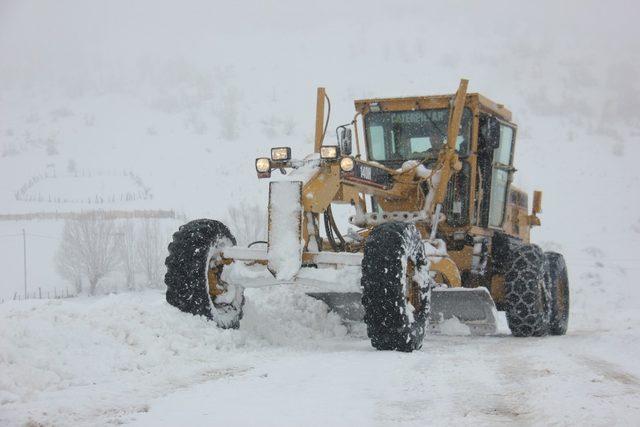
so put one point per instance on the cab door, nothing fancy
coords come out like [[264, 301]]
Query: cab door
[[501, 175]]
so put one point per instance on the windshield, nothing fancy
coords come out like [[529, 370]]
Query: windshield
[[404, 135]]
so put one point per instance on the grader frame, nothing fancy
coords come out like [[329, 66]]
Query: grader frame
[[328, 184], [442, 234]]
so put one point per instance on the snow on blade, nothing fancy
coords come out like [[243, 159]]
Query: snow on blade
[[285, 222], [453, 326]]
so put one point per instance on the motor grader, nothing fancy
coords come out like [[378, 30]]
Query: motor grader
[[440, 233]]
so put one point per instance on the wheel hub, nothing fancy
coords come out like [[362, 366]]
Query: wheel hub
[[216, 285], [413, 288]]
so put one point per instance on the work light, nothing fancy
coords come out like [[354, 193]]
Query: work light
[[280, 154], [329, 152], [263, 165], [347, 164], [374, 107]]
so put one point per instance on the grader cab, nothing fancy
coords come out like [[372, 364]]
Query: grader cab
[[440, 233]]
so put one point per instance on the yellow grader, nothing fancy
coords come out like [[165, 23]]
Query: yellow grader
[[441, 233]]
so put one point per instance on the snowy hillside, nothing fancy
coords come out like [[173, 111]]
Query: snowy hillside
[[122, 106]]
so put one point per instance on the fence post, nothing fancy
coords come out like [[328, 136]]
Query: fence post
[[24, 255], [39, 292]]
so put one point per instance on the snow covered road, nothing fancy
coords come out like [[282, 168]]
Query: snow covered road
[[132, 358], [453, 381]]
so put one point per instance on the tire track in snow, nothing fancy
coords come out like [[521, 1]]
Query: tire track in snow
[[460, 380], [612, 372], [506, 402]]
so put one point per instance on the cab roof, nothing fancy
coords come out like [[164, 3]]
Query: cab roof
[[430, 102]]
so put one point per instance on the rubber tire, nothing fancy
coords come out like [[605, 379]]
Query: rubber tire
[[186, 276], [386, 251], [559, 289], [527, 293]]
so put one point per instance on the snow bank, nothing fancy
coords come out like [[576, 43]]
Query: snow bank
[[112, 359], [102, 357]]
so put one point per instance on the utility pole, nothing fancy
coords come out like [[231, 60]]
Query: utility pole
[[24, 247]]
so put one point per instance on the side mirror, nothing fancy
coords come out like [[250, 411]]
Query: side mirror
[[344, 140], [490, 131], [537, 202], [535, 209]]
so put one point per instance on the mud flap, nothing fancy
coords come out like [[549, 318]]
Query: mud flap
[[472, 307]]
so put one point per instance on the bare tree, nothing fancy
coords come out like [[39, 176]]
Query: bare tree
[[70, 270], [88, 248], [127, 250], [151, 251], [248, 223]]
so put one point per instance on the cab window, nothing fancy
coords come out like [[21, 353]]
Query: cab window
[[406, 135]]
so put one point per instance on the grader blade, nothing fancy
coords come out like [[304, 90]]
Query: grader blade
[[347, 305], [471, 307]]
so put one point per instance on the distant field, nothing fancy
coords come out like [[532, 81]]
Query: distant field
[[106, 214], [85, 188]]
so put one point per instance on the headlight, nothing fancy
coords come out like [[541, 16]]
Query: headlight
[[347, 164], [263, 165], [329, 152], [280, 154]]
